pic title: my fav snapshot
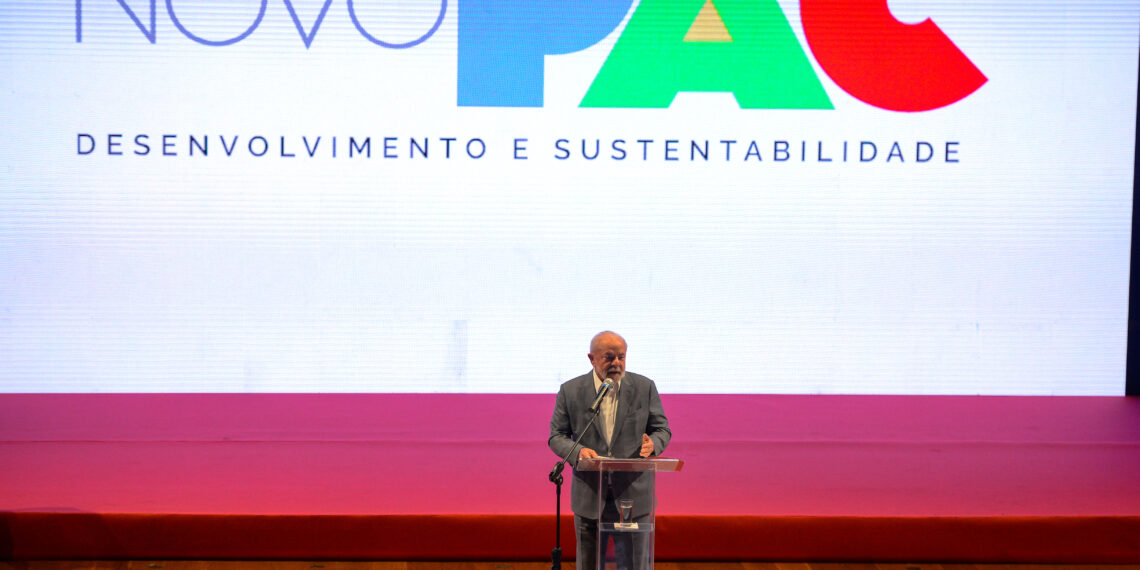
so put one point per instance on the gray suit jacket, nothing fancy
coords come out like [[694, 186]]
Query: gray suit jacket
[[638, 411]]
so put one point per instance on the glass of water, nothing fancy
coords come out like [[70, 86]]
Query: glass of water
[[625, 509]]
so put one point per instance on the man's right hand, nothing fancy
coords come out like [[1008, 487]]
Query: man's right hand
[[587, 453]]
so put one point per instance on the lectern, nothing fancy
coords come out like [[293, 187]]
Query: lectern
[[629, 524]]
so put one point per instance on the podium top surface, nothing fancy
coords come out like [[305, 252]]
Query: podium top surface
[[624, 464]]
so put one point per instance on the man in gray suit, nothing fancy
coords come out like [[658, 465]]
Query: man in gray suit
[[632, 423]]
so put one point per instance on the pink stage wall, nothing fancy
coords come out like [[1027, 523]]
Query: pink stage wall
[[1030, 479]]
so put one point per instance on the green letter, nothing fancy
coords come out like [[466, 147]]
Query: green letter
[[670, 46]]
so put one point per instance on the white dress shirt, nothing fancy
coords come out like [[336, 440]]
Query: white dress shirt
[[608, 407]]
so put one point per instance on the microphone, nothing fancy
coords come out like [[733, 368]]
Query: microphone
[[606, 385]]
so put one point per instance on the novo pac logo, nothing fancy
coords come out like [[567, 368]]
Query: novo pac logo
[[745, 47]]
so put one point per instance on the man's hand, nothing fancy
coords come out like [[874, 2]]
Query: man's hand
[[646, 445], [587, 453]]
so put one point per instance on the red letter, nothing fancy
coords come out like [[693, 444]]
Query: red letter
[[884, 62]]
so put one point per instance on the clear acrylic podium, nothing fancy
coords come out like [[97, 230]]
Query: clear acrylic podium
[[630, 526]]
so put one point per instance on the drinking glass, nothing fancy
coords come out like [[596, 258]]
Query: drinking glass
[[625, 509]]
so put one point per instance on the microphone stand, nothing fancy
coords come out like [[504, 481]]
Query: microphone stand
[[556, 478]]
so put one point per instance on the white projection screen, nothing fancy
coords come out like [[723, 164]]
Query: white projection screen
[[825, 196]]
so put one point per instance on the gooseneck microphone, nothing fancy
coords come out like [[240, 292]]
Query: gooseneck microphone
[[556, 476], [606, 385]]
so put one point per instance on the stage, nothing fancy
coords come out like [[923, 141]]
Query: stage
[[463, 477]]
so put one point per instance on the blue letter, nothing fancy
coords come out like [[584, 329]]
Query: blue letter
[[502, 44], [151, 35], [79, 138], [307, 38], [185, 32], [382, 43]]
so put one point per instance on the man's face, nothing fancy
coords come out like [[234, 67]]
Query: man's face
[[608, 357]]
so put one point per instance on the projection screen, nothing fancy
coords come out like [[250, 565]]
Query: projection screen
[[825, 196]]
